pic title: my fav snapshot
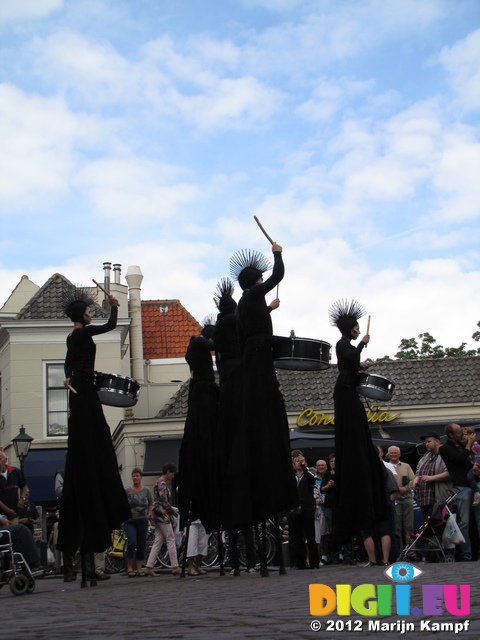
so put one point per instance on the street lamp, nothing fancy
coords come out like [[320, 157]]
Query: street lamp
[[22, 444]]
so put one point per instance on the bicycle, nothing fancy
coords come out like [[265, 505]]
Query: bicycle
[[115, 554]]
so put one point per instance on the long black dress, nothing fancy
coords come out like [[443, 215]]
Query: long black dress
[[94, 500], [260, 472], [359, 479], [229, 362], [197, 459]]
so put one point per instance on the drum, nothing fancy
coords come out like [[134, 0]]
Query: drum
[[301, 354], [115, 390], [373, 386]]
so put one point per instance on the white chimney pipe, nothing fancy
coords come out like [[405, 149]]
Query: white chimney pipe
[[106, 280], [134, 279], [117, 270]]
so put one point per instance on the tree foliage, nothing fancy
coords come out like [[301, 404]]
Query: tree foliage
[[410, 349]]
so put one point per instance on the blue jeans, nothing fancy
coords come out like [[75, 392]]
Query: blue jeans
[[473, 481], [136, 532], [463, 502]]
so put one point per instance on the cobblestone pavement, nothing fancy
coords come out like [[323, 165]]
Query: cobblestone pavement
[[213, 607]]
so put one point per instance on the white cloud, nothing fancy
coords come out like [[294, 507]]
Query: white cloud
[[462, 61], [171, 83], [41, 138], [133, 188], [17, 10]]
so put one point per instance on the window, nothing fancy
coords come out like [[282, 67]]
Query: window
[[57, 401]]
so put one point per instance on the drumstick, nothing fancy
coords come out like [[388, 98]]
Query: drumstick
[[368, 329], [263, 230], [69, 386], [101, 288]]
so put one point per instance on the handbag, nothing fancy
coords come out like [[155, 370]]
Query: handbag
[[159, 512], [452, 533]]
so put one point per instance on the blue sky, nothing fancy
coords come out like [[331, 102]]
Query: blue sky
[[151, 132]]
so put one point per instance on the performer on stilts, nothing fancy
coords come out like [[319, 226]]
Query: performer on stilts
[[359, 478], [94, 500], [260, 478], [197, 458]]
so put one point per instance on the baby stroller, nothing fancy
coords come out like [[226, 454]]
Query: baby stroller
[[428, 538], [14, 570]]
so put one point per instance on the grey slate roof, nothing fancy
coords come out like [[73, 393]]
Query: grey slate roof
[[46, 304], [417, 382]]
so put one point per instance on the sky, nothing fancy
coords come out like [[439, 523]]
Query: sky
[[151, 132]]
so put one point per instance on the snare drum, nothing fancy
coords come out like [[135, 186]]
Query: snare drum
[[373, 386], [301, 354], [115, 390]]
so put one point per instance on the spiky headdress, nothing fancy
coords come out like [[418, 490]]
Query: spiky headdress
[[247, 266], [208, 326], [223, 296], [75, 302], [224, 288], [209, 320], [345, 315]]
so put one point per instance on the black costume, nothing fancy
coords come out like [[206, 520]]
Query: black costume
[[94, 501], [197, 460], [359, 479], [260, 470], [228, 358]]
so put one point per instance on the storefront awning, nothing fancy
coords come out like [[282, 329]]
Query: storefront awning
[[40, 468]]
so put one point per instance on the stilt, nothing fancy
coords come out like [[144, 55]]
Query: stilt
[[282, 571], [83, 562], [220, 551], [352, 551], [93, 580], [263, 553], [185, 538], [233, 544]]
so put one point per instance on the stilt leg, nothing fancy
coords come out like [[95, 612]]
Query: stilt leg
[[93, 580], [185, 538], [352, 551], [234, 551], [220, 551], [263, 554], [282, 571], [83, 562]]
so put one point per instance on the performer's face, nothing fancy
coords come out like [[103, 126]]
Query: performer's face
[[355, 331], [86, 316]]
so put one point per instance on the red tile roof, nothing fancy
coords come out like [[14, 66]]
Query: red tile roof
[[166, 334]]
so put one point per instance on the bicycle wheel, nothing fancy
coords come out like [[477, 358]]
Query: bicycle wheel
[[113, 564], [211, 559]]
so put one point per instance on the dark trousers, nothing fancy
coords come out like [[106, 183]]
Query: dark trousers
[[301, 528], [136, 532], [247, 534], [22, 542]]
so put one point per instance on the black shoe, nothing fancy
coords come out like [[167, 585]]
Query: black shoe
[[69, 579], [101, 576]]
